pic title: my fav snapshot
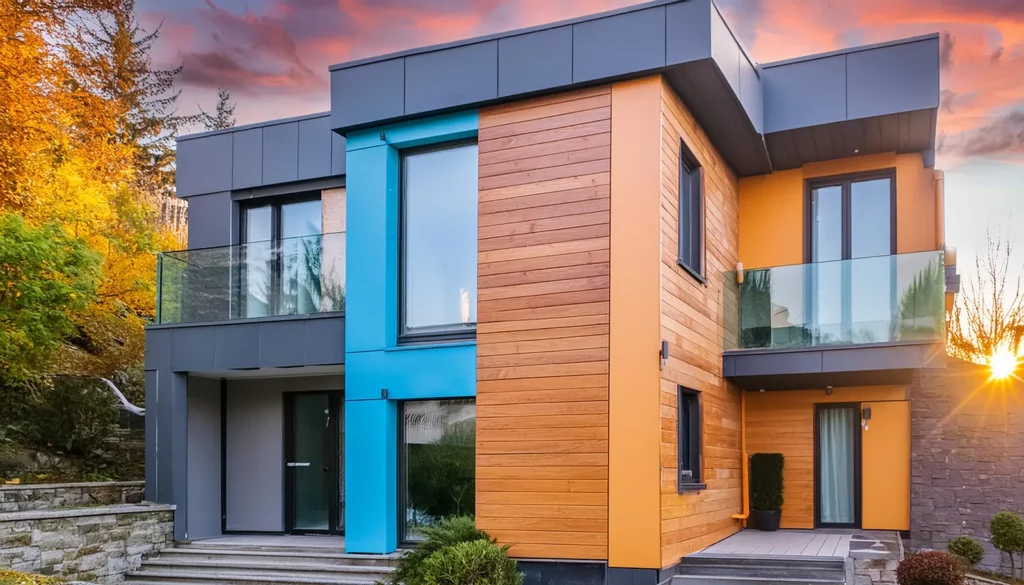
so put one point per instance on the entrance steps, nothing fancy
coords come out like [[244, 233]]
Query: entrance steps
[[200, 563], [725, 569]]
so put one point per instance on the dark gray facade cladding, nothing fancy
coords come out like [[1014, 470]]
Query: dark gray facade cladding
[[967, 462]]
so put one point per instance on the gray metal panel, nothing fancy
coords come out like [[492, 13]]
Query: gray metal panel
[[688, 31], [805, 93], [367, 93], [535, 61], [152, 410], [254, 456], [324, 342], [193, 349], [778, 363], [451, 77], [159, 348], [618, 45], [901, 357], [337, 154], [281, 344], [204, 165], [725, 51], [247, 163], [209, 221], [237, 346], [315, 148], [281, 153], [751, 93], [896, 78], [166, 448], [204, 471]]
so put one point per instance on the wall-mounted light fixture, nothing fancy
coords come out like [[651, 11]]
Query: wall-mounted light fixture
[[829, 390], [865, 415], [739, 273], [663, 353]]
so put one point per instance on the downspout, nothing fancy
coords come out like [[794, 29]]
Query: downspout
[[744, 465]]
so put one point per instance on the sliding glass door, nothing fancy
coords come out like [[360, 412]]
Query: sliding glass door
[[837, 463]]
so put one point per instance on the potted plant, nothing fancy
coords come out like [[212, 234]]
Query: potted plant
[[766, 490]]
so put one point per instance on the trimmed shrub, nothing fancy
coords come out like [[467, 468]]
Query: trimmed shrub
[[478, 562], [1007, 531], [930, 568], [447, 532], [766, 481], [966, 549]]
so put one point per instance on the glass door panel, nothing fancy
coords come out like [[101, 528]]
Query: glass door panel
[[838, 430], [301, 257], [311, 469]]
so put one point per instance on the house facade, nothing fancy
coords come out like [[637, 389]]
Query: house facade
[[565, 279]]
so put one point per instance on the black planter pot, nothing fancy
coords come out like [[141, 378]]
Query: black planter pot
[[767, 520]]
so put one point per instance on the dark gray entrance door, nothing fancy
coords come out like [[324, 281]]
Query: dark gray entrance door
[[313, 463]]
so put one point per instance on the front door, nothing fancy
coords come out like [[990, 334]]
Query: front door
[[313, 451], [837, 465]]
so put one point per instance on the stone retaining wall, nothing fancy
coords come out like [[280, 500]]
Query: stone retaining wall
[[967, 440], [20, 498], [98, 544]]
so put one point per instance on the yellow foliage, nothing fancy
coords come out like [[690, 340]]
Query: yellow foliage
[[8, 577]]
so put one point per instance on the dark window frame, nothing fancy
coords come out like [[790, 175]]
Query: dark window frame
[[845, 182], [858, 465], [691, 233], [689, 431], [426, 337]]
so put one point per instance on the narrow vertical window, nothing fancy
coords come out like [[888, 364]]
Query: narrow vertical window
[[691, 213], [689, 440]]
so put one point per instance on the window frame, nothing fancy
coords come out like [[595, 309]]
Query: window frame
[[689, 432], [424, 337], [845, 183], [690, 172]]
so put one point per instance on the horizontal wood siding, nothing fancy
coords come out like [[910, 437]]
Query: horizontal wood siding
[[783, 422], [542, 336], [692, 322]]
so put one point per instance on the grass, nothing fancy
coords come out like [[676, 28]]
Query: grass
[[8, 577], [997, 577]]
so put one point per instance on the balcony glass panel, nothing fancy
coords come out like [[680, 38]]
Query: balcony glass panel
[[881, 299], [293, 276]]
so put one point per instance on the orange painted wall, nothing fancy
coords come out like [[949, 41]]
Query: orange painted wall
[[772, 208], [633, 396], [783, 422], [886, 454]]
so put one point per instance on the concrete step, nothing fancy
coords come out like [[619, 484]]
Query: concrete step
[[169, 577], [784, 573], [718, 569], [307, 555], [745, 580], [295, 568], [781, 561]]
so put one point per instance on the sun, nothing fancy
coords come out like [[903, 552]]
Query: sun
[[1003, 363]]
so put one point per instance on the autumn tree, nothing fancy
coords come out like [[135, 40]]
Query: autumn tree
[[989, 311], [223, 115]]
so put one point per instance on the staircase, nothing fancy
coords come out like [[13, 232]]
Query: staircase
[[200, 563], [723, 569]]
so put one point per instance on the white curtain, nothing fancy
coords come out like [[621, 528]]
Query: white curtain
[[836, 464]]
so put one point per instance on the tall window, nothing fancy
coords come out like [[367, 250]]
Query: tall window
[[691, 213], [439, 217], [280, 259], [689, 440]]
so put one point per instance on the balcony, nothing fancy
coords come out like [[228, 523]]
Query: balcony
[[873, 316], [290, 277]]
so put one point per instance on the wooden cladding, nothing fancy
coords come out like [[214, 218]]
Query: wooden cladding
[[543, 325]]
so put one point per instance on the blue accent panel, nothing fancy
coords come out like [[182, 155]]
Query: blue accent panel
[[373, 362], [412, 374], [371, 476]]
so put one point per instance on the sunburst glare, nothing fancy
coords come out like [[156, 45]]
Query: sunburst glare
[[1003, 363]]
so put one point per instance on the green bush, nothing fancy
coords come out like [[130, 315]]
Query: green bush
[[75, 416], [1007, 531], [766, 481], [966, 549], [8, 577], [478, 562], [930, 568], [446, 533]]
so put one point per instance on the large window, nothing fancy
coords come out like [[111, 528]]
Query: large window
[[691, 213], [438, 452], [281, 259], [439, 242], [689, 440]]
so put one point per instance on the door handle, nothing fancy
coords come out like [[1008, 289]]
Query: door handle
[[297, 464]]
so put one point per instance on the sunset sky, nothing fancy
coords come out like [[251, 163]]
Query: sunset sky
[[273, 55]]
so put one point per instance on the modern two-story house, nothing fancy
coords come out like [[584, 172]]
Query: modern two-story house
[[565, 279]]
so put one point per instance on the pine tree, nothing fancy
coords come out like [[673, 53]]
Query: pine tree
[[223, 116]]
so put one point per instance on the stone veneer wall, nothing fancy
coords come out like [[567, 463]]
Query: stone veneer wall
[[967, 442], [98, 544], [20, 498]]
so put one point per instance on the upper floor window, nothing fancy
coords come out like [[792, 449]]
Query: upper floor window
[[439, 235], [852, 216], [691, 213]]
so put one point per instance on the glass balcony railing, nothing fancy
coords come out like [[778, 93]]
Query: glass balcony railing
[[882, 299], [295, 276]]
